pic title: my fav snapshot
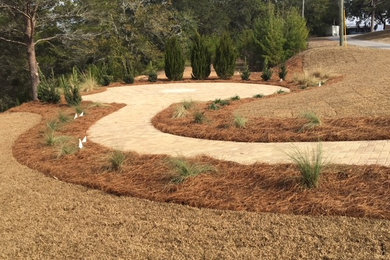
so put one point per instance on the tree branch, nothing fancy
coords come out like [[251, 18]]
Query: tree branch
[[12, 41], [47, 39], [15, 9]]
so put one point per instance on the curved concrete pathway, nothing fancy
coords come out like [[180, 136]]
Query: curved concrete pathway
[[130, 129]]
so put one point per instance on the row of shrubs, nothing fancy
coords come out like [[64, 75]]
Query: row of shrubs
[[224, 62]]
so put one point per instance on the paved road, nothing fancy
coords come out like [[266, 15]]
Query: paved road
[[130, 129], [369, 44]]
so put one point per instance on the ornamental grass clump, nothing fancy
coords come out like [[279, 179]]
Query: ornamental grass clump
[[117, 159], [240, 121], [310, 165], [185, 169], [313, 121]]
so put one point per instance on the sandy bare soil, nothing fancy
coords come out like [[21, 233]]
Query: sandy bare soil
[[364, 90], [41, 217]]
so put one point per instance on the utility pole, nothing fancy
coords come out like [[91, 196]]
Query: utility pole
[[341, 22], [303, 8]]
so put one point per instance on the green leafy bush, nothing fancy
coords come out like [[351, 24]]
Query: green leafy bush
[[199, 117], [48, 91], [258, 96], [174, 60], [246, 73], [267, 71], [200, 58], [283, 72], [128, 79], [295, 33], [71, 92], [225, 58]]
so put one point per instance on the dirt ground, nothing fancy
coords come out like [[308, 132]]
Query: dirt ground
[[41, 217], [364, 90]]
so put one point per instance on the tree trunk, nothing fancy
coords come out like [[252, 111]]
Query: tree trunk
[[34, 71], [32, 58], [373, 20]]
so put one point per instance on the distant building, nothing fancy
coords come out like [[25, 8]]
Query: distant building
[[358, 25]]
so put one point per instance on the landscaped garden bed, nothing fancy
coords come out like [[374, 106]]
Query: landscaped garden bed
[[218, 120], [51, 147]]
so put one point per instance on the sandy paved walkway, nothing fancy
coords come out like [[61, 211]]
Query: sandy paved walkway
[[130, 127], [42, 218]]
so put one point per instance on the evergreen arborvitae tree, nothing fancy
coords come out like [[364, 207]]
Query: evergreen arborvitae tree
[[200, 58], [225, 58], [174, 60], [296, 33]]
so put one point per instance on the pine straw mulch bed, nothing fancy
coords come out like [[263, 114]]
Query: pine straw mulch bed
[[358, 191], [219, 125]]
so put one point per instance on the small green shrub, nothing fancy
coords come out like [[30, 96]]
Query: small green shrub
[[106, 80], [235, 98], [313, 121], [117, 159], [199, 117], [200, 58], [185, 169], [222, 102], [48, 91], [152, 77], [246, 73], [71, 91], [267, 71], [225, 57], [310, 165], [283, 72], [128, 79], [258, 96], [240, 121], [280, 91], [214, 106], [174, 60]]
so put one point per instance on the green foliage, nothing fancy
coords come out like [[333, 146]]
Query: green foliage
[[310, 165], [246, 73], [283, 71], [313, 121], [71, 90], [47, 90], [199, 117], [240, 121], [128, 79], [152, 73], [63, 118], [66, 148], [52, 125], [174, 60], [222, 102], [117, 159], [267, 71], [269, 35], [186, 169], [214, 106], [280, 91], [200, 58], [235, 98], [258, 96], [225, 57], [295, 33]]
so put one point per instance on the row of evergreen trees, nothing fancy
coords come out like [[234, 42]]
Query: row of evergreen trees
[[224, 61], [274, 40]]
